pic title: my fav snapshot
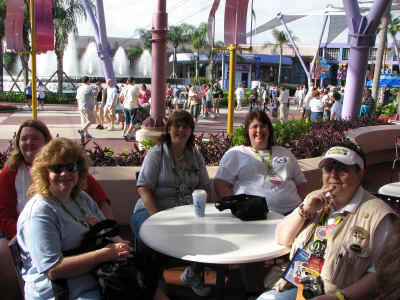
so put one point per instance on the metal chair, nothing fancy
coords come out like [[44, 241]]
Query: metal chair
[[17, 260], [396, 158]]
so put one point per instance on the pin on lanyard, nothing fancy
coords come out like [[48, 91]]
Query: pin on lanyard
[[268, 162], [323, 229], [76, 219]]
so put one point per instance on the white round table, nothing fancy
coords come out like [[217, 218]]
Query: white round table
[[391, 189], [217, 238]]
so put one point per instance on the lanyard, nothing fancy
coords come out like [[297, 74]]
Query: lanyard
[[323, 230], [179, 171], [82, 221], [268, 162]]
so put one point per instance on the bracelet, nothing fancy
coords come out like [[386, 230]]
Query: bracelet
[[340, 295], [303, 213]]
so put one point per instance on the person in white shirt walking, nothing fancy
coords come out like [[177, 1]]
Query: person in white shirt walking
[[86, 104], [284, 105], [239, 93], [111, 102], [336, 109], [130, 94], [41, 94]]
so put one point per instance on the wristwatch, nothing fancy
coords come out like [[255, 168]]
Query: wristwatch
[[341, 296]]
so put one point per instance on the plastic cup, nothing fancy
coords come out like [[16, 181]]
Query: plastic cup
[[199, 202]]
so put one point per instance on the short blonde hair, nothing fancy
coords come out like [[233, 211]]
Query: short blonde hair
[[60, 150]]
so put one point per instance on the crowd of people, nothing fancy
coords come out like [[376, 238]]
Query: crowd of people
[[112, 104], [338, 233], [315, 103]]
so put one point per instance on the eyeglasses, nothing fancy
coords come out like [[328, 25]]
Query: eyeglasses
[[72, 167], [338, 167]]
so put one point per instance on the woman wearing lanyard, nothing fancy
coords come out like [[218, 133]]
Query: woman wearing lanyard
[[335, 235], [263, 169], [169, 174], [55, 219]]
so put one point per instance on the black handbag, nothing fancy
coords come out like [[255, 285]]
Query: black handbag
[[135, 278], [245, 207]]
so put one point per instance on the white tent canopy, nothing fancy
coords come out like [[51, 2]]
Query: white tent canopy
[[337, 19]]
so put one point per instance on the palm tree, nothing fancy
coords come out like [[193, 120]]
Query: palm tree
[[134, 52], [281, 39], [380, 52], [199, 41], [393, 29], [176, 35], [2, 32], [218, 44], [145, 37], [65, 16]]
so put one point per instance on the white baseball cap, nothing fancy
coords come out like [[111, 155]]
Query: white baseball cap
[[344, 155]]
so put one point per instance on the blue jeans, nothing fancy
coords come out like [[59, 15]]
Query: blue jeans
[[137, 220], [289, 294], [130, 116], [90, 295], [316, 116]]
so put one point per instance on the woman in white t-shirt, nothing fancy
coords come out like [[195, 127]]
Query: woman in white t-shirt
[[263, 169], [316, 106]]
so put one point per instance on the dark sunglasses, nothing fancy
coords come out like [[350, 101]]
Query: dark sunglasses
[[72, 167]]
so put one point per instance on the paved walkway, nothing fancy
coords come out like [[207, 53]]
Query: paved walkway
[[64, 121]]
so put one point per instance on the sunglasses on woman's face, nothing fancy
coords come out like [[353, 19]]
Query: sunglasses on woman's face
[[71, 167]]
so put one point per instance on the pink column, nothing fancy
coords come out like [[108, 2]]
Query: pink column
[[158, 71]]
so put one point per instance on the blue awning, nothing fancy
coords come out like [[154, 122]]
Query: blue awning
[[265, 59], [242, 58]]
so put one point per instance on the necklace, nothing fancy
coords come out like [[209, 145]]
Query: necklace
[[76, 219]]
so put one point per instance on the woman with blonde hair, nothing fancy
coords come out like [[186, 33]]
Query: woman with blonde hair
[[15, 177], [55, 219]]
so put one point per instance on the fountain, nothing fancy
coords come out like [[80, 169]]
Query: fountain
[[121, 63], [142, 66], [46, 64], [70, 60], [90, 62]]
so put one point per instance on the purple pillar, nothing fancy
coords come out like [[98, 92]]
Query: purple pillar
[[362, 34], [158, 71], [100, 36]]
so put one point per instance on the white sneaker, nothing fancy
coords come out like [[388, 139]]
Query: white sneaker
[[111, 128], [195, 281]]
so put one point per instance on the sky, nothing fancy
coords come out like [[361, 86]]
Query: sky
[[123, 17]]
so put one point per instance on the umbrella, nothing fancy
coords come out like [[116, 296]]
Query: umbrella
[[387, 80]]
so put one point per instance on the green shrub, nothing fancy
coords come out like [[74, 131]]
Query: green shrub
[[13, 97], [51, 98], [286, 132], [238, 136], [202, 80], [63, 98], [387, 110]]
